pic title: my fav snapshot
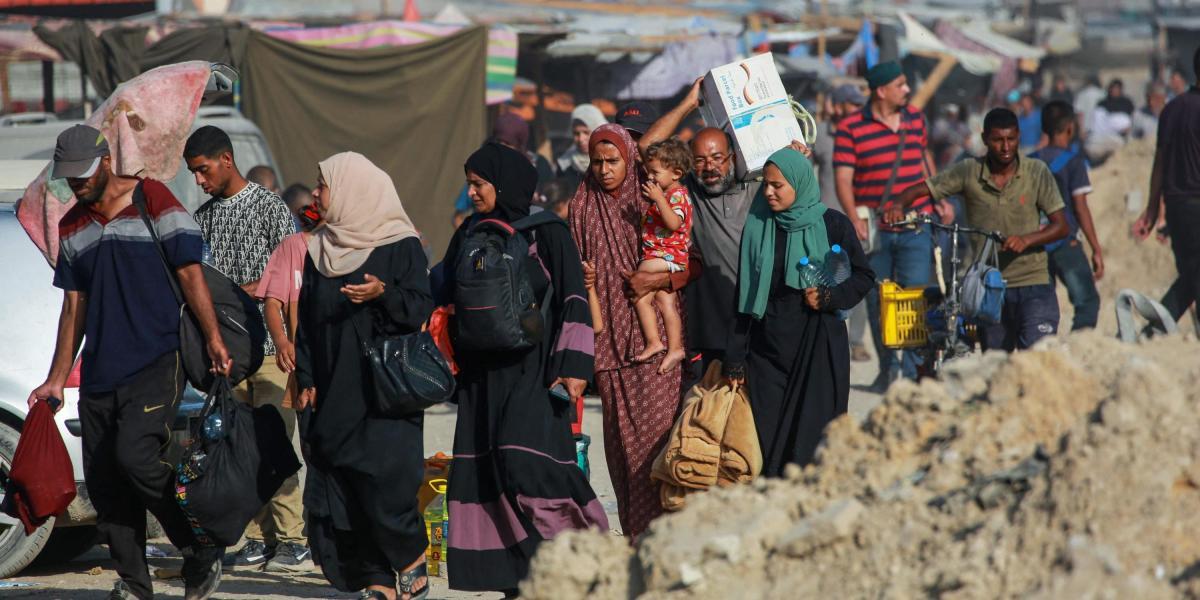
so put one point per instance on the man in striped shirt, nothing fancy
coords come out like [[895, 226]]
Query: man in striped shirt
[[878, 153]]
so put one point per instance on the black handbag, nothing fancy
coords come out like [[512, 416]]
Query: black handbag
[[409, 373]]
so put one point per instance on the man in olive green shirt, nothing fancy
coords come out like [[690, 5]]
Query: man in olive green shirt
[[1006, 193]]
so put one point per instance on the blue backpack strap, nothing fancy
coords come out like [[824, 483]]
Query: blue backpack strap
[[536, 219], [1060, 163]]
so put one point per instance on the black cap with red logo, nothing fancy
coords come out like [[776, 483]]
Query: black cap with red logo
[[637, 116]]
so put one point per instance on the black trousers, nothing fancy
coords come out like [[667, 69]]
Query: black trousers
[[1183, 221], [126, 434]]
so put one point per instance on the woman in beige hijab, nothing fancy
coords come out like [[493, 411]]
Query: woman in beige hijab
[[366, 273]]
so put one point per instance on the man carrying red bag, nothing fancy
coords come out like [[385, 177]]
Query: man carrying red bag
[[117, 295]]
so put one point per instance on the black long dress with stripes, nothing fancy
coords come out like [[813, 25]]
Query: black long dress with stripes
[[514, 481]]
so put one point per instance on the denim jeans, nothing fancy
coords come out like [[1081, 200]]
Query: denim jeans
[[905, 257], [1030, 313], [1069, 264]]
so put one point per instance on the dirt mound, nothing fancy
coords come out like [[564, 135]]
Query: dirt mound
[[1069, 471], [1148, 267]]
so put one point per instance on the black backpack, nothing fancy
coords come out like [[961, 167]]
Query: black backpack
[[241, 324], [494, 306]]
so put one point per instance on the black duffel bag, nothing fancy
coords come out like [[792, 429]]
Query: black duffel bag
[[240, 322], [225, 477]]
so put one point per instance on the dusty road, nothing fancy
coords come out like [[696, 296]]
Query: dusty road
[[74, 581]]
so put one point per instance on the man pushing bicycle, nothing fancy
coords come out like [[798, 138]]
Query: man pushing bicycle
[[1008, 194]]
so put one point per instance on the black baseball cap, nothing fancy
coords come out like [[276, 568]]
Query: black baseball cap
[[78, 151], [637, 116]]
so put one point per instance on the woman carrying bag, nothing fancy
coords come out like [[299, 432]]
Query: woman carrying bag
[[365, 276], [514, 481], [789, 345]]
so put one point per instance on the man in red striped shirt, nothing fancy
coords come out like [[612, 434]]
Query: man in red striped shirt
[[878, 153]]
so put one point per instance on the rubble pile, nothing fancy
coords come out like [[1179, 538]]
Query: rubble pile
[[1072, 470]]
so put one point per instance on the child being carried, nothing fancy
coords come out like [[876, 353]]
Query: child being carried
[[666, 235]]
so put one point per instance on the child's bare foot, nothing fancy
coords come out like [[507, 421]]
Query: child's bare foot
[[650, 352], [671, 360]]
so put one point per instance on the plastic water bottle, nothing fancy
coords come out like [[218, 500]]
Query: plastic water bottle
[[837, 264], [214, 427], [837, 269], [206, 253], [811, 274]]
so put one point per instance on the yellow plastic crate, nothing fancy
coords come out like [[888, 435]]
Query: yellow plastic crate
[[902, 315]]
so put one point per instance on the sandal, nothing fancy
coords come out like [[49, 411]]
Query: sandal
[[409, 578]]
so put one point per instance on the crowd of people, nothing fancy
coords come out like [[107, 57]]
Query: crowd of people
[[653, 262]]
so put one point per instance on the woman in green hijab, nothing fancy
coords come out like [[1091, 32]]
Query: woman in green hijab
[[789, 345]]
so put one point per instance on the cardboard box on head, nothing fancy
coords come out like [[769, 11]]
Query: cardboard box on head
[[747, 99]]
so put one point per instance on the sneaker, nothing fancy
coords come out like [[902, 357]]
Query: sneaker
[[253, 554], [121, 591], [290, 558], [200, 581]]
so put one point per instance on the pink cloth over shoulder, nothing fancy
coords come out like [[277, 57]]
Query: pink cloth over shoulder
[[146, 121], [285, 271]]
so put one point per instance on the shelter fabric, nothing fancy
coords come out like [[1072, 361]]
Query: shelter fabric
[[417, 112]]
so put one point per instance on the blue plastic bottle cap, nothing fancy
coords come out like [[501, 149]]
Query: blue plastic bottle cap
[[804, 261], [837, 248]]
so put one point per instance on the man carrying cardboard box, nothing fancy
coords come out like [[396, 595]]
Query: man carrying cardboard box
[[720, 203], [879, 152]]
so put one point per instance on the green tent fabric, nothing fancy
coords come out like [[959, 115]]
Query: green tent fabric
[[416, 111], [107, 59]]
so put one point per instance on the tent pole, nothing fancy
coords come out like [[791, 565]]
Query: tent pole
[[83, 95], [936, 78], [48, 86], [539, 113], [5, 89]]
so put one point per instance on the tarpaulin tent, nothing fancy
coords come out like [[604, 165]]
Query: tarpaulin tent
[[416, 111]]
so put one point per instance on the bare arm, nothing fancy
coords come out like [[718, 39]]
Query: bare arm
[[1057, 230], [1146, 223], [70, 335], [195, 293], [668, 123], [670, 220], [1084, 214], [250, 287], [273, 315]]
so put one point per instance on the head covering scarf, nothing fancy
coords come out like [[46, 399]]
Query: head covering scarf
[[511, 174], [589, 115], [512, 130], [606, 228], [364, 213], [803, 223]]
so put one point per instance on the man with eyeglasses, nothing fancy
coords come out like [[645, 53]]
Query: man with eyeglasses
[[719, 206]]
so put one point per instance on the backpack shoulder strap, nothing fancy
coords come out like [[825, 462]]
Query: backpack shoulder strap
[[1062, 160], [537, 219], [139, 202]]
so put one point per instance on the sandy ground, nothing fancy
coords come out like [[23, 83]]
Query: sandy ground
[[74, 581]]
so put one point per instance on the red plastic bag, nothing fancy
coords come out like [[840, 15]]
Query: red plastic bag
[[41, 482], [439, 328]]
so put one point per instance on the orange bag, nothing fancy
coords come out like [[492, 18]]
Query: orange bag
[[439, 328]]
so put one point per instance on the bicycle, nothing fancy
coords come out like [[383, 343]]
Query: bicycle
[[948, 334]]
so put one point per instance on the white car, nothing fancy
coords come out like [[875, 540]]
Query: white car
[[29, 310]]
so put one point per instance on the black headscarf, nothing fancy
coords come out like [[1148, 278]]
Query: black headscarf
[[511, 174]]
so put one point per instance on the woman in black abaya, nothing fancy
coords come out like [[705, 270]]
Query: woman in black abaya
[[789, 346], [514, 482]]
